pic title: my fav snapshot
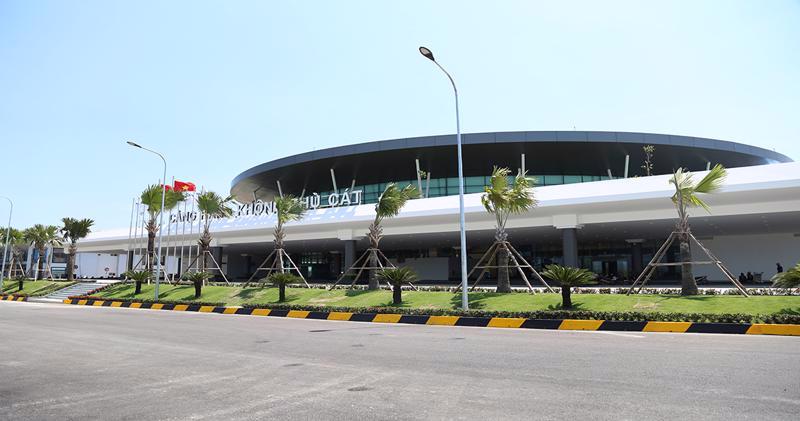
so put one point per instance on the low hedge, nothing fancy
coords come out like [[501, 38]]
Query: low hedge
[[557, 314], [146, 300]]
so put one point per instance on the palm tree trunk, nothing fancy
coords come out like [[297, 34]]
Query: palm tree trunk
[[71, 262], [151, 249], [281, 292], [138, 288], [204, 259], [503, 281], [38, 263], [397, 294], [566, 297], [688, 284], [373, 273], [198, 289]]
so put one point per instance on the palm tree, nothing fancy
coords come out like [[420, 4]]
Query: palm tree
[[389, 204], [138, 277], [788, 279], [15, 240], [211, 205], [396, 277], [197, 278], [503, 199], [41, 236], [288, 208], [281, 279], [72, 231], [568, 277], [151, 197], [686, 196]]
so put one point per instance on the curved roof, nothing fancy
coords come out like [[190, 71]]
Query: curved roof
[[747, 155]]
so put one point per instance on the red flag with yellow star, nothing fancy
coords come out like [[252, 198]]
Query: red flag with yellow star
[[184, 186]]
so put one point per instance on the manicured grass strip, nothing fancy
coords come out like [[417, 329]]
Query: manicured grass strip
[[34, 288], [433, 301]]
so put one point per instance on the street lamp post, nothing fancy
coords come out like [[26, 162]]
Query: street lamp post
[[464, 299], [160, 212], [5, 247]]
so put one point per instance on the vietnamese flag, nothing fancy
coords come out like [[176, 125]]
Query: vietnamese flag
[[183, 186], [166, 187]]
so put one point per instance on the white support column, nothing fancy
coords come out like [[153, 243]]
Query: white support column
[[627, 163], [611, 177], [280, 190], [333, 180], [522, 163]]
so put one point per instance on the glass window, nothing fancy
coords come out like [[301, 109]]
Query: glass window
[[553, 179], [569, 179]]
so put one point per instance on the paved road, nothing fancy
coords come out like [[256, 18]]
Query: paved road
[[75, 362]]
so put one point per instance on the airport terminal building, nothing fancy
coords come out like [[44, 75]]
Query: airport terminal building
[[596, 207]]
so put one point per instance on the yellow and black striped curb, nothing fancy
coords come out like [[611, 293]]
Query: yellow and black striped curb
[[13, 298], [504, 322]]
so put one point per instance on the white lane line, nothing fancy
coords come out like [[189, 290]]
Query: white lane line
[[627, 335]]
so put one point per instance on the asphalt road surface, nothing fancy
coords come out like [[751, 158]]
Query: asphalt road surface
[[76, 362]]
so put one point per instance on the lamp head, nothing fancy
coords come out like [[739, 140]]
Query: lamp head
[[135, 145], [427, 53]]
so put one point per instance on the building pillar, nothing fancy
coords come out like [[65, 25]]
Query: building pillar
[[570, 246], [636, 256], [129, 263], [30, 261], [349, 254], [217, 253]]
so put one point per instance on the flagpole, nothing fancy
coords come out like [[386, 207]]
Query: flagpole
[[136, 233], [130, 233], [191, 231], [183, 236]]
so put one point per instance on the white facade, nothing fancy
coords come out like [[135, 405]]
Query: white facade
[[755, 221]]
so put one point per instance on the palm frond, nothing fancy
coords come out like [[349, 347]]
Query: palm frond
[[500, 196], [712, 181], [138, 275], [41, 236], [75, 229], [398, 276], [788, 279], [289, 208], [214, 205], [393, 199], [568, 276], [151, 197]]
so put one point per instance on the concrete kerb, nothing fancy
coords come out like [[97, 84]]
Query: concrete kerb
[[493, 322]]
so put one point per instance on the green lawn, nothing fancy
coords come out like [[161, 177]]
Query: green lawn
[[34, 288], [235, 296]]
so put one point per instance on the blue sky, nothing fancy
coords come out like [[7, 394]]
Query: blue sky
[[221, 86]]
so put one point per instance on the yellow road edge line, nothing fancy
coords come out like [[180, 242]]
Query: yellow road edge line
[[387, 318], [511, 322], [443, 320], [297, 314], [260, 312], [679, 327], [339, 315], [773, 329], [230, 310], [571, 324]]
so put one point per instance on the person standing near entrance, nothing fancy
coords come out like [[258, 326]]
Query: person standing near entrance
[[779, 267]]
